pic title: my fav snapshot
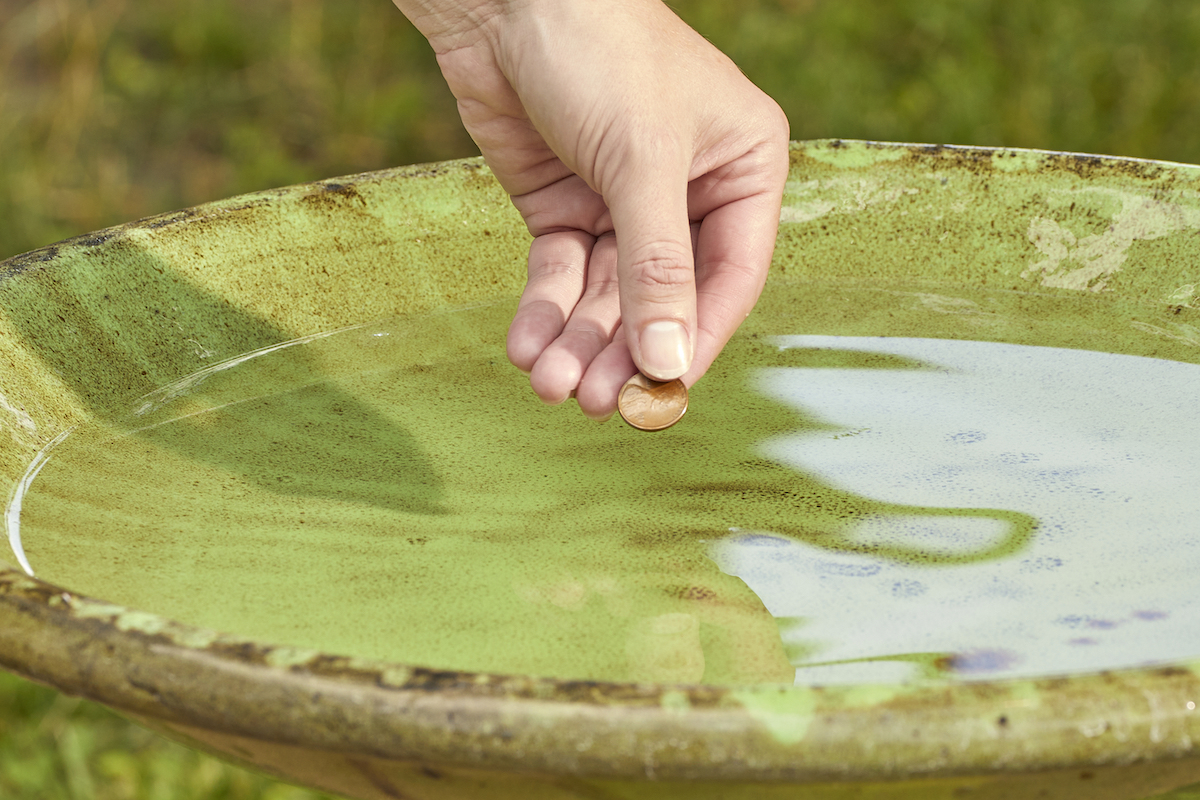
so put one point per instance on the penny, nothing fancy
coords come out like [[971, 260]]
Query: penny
[[650, 405]]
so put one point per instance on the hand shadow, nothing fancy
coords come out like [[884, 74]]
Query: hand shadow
[[120, 322]]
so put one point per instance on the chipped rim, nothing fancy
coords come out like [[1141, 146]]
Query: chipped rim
[[147, 665]]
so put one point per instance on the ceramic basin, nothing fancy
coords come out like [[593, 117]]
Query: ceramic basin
[[926, 531]]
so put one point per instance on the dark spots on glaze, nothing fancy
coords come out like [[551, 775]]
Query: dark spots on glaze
[[1056, 683], [983, 160], [698, 593], [94, 239], [1091, 166], [1150, 615], [244, 652], [1173, 672], [335, 194], [30, 590], [114, 236], [26, 261], [168, 219], [344, 189]]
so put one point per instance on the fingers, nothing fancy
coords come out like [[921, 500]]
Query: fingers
[[733, 256], [564, 333], [655, 267], [597, 392], [570, 333], [588, 330], [557, 269], [567, 315]]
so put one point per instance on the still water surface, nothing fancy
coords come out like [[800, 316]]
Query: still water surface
[[925, 506]]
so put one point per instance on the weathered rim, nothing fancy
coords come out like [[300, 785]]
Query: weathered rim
[[147, 665]]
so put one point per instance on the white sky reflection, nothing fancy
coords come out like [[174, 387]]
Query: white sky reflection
[[1103, 449]]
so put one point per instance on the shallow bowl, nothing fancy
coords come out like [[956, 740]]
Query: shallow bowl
[[962, 244]]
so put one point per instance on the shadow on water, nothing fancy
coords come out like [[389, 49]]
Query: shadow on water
[[757, 493], [119, 322], [150, 354]]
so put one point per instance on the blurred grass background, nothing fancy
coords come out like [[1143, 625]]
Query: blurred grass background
[[114, 109], [111, 110]]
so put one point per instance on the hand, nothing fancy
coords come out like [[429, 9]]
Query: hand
[[649, 170]]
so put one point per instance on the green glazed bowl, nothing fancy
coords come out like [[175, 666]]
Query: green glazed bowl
[[1021, 248]]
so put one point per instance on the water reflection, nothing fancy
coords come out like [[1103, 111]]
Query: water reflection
[[878, 509], [1102, 449]]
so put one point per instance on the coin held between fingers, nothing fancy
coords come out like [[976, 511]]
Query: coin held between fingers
[[651, 405]]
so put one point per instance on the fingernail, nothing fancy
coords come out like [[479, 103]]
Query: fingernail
[[666, 353]]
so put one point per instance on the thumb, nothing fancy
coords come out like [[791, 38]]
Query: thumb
[[656, 271]]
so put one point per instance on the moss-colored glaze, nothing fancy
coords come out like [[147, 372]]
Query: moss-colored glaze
[[892, 240], [394, 491]]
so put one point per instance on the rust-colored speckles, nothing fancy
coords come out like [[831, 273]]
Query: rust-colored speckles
[[335, 195], [1173, 672], [243, 652], [427, 719], [701, 594], [26, 261]]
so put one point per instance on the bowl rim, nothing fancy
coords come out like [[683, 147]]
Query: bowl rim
[[147, 665]]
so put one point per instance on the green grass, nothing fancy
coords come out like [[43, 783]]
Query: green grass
[[1102, 76], [54, 747], [112, 109]]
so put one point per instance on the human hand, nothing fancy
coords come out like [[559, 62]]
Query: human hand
[[649, 170]]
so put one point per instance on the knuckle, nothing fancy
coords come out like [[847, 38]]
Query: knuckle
[[662, 271], [601, 287], [553, 271], [739, 272], [782, 125]]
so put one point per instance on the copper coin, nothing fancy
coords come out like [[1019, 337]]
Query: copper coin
[[650, 405]]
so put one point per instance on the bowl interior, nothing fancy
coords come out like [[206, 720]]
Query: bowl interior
[[952, 443]]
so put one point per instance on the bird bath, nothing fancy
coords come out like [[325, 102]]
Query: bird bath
[[927, 530]]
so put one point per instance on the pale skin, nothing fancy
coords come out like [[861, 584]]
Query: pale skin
[[649, 170]]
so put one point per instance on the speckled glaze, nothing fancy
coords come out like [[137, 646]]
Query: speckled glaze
[[93, 323]]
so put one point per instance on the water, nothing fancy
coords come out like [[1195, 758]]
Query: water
[[1000, 488], [1098, 449]]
